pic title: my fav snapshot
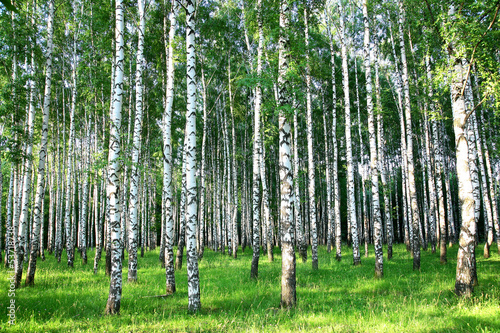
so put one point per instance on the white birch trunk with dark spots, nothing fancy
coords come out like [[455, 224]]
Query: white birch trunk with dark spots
[[136, 149], [23, 201], [299, 226], [9, 227], [471, 139], [377, 218], [382, 162], [167, 158], [201, 239], [254, 272], [336, 193], [466, 261], [328, 173], [409, 143], [310, 154], [350, 169], [40, 186], [190, 161], [288, 280], [114, 168]]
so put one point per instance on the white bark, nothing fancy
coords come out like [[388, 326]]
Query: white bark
[[254, 273], [40, 186], [190, 151], [350, 170], [310, 154], [409, 144], [114, 168], [466, 274], [22, 240], [288, 280], [167, 157], [377, 218], [136, 148]]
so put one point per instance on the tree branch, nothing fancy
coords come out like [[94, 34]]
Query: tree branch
[[475, 48]]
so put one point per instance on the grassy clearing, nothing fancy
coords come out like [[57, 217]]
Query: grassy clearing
[[338, 297]]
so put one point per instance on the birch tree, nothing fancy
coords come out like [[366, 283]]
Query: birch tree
[[310, 153], [464, 283], [409, 144], [40, 186], [377, 218], [190, 151], [288, 281], [254, 273], [113, 181], [136, 149], [350, 169]]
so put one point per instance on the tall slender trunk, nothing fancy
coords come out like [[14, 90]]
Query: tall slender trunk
[[9, 225], [433, 188], [40, 186], [361, 171], [328, 173], [201, 240], [22, 240], [114, 168], [288, 280], [167, 158], [471, 140], [84, 203], [377, 219], [310, 153], [336, 190], [350, 169], [190, 151], [136, 149], [267, 223], [409, 143], [464, 284], [381, 161], [299, 225], [254, 273]]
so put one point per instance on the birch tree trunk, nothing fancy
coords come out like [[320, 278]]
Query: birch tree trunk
[[9, 227], [377, 219], [136, 149], [328, 172], [299, 225], [40, 186], [113, 185], [464, 283], [336, 190], [167, 157], [190, 151], [350, 170], [69, 174], [201, 240], [310, 153], [409, 143], [23, 209], [381, 161], [288, 281], [254, 273]]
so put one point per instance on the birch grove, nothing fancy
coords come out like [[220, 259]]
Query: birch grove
[[239, 138]]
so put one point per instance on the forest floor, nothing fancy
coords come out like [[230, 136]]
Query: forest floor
[[338, 297]]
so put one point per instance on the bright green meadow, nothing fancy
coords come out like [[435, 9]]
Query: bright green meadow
[[338, 297]]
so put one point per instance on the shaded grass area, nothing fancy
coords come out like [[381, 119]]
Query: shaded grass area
[[339, 297]]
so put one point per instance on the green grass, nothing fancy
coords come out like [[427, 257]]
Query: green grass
[[338, 297]]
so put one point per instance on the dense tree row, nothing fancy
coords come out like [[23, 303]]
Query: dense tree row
[[240, 124]]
